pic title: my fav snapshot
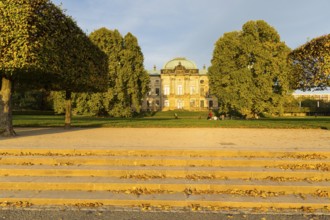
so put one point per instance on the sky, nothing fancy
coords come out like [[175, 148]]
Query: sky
[[167, 29]]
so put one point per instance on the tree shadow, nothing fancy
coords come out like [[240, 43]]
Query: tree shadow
[[40, 131]]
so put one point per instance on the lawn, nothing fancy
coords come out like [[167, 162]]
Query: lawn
[[166, 119]]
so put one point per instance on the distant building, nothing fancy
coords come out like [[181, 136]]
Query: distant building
[[179, 85], [321, 95]]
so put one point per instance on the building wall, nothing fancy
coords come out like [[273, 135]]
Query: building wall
[[188, 92], [153, 101], [179, 88], [320, 97]]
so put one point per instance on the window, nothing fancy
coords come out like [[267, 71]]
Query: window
[[192, 102], [166, 103], [180, 104], [210, 104], [157, 91], [202, 104], [202, 91], [166, 90], [180, 90], [192, 90], [157, 103]]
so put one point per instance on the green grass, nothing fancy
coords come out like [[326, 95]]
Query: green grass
[[167, 120]]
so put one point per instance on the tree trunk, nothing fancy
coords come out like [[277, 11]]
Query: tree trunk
[[68, 111], [6, 119]]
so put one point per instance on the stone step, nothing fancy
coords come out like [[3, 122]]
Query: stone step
[[146, 201], [145, 153], [166, 185], [164, 172], [165, 178], [158, 161]]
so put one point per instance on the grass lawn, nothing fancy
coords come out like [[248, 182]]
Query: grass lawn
[[166, 119]]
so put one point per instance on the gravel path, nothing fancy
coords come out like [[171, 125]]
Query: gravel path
[[134, 214], [171, 138]]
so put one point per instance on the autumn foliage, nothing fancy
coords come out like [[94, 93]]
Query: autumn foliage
[[311, 64], [41, 47]]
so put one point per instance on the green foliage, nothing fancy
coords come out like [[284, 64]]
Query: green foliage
[[128, 80], [18, 31], [32, 100], [132, 80], [41, 47], [311, 64], [58, 102], [249, 73], [315, 105]]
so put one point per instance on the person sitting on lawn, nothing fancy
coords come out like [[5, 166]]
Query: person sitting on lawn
[[210, 115]]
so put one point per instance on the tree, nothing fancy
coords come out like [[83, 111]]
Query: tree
[[111, 43], [132, 79], [43, 48], [311, 64], [20, 51], [128, 80], [138, 85], [83, 66], [249, 72], [32, 100]]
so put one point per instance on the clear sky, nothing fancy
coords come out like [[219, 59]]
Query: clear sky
[[189, 28]]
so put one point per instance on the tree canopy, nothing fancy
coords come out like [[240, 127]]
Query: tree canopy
[[132, 79], [128, 80], [249, 72], [311, 64], [41, 47]]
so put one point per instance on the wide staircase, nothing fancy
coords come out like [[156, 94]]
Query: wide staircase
[[166, 179]]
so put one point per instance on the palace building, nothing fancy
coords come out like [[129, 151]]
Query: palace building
[[179, 85]]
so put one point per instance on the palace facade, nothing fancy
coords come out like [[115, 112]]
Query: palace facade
[[179, 85]]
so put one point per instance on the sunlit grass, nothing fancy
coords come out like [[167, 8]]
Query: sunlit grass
[[167, 120]]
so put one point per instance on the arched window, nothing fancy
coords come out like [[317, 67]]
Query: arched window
[[180, 92]]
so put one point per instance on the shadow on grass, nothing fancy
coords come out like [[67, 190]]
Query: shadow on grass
[[22, 132], [57, 122], [306, 119], [45, 125], [304, 122], [48, 126]]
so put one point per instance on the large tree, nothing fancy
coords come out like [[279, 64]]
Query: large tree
[[311, 64], [83, 65], [41, 47], [111, 43], [132, 79], [20, 51], [128, 80], [249, 73]]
